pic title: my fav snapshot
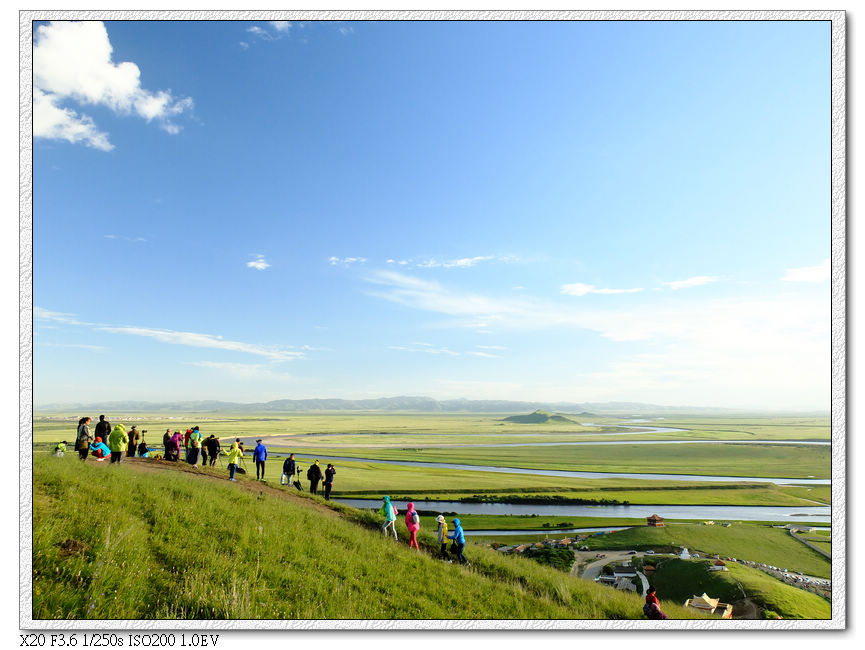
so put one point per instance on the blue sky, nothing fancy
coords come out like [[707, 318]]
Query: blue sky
[[553, 211]]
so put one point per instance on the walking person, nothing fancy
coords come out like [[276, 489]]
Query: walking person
[[82, 438], [314, 475], [390, 512], [288, 469], [103, 428], [118, 442], [442, 536], [134, 437], [652, 608], [459, 539], [329, 473], [234, 456], [259, 455], [412, 522]]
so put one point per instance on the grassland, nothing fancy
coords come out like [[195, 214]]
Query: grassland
[[758, 543], [792, 461], [682, 579], [156, 540], [400, 429]]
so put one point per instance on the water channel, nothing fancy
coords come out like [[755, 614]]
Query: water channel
[[813, 514]]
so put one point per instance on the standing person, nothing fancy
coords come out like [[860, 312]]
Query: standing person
[[459, 539], [328, 480], [118, 442], [412, 522], [82, 439], [166, 442], [134, 437], [234, 456], [390, 512], [288, 469], [259, 455], [442, 536], [103, 428], [652, 608], [213, 448], [313, 474], [186, 437], [193, 446]]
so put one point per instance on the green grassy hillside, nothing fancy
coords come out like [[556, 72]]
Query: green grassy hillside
[[755, 542], [157, 540], [682, 579]]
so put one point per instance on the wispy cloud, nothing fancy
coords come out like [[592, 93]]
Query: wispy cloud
[[491, 347], [197, 340], [819, 273], [696, 281], [428, 348], [345, 261], [580, 289], [345, 30], [46, 315], [486, 355], [82, 346], [125, 238], [273, 30], [462, 263], [258, 263], [241, 370], [72, 62]]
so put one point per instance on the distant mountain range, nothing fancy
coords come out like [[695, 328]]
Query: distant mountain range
[[402, 403]]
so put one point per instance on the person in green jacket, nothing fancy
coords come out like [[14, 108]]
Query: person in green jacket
[[390, 512], [118, 441], [60, 449], [234, 456]]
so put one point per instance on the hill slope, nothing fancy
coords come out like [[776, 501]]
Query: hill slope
[[539, 417], [157, 540]]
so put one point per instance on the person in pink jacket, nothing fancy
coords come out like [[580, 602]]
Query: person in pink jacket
[[412, 522]]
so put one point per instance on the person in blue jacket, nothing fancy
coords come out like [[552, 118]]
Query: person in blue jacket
[[259, 454], [459, 542]]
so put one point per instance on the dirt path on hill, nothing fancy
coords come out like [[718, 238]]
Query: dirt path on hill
[[145, 465]]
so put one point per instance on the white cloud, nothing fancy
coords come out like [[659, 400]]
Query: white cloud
[[580, 289], [241, 370], [83, 346], [72, 62], [696, 281], [491, 347], [484, 354], [281, 25], [258, 263], [464, 262], [346, 261], [125, 238], [819, 273], [345, 31], [278, 29], [196, 340], [44, 314]]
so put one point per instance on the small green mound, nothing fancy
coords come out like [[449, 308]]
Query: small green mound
[[538, 417]]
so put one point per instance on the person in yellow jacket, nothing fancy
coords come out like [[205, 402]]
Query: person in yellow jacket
[[442, 536], [234, 456], [118, 441]]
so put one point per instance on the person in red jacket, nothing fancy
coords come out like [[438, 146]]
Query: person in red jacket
[[652, 608]]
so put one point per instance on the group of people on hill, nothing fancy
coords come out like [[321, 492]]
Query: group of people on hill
[[412, 522], [105, 441]]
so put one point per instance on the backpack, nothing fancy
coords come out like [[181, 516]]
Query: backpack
[[414, 518], [309, 474]]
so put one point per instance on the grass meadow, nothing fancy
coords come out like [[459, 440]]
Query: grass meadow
[[148, 539]]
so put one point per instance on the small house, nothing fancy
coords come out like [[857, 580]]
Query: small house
[[718, 565], [655, 521], [624, 571]]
